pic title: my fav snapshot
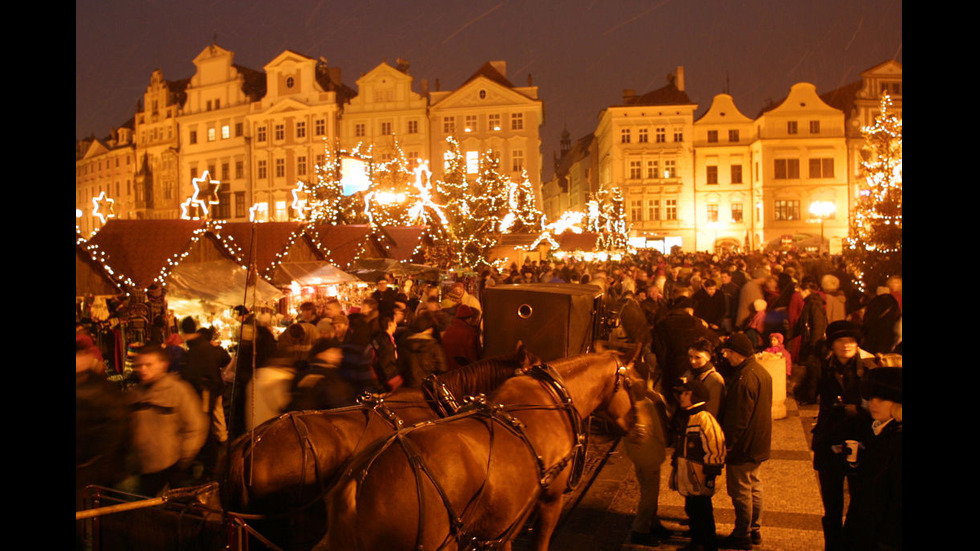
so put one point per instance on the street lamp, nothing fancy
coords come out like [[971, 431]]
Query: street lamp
[[822, 210]]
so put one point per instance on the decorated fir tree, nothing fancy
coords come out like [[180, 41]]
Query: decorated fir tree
[[325, 196], [523, 207], [392, 193], [874, 247], [607, 217]]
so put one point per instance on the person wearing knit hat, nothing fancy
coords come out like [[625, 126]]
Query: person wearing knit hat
[[841, 416], [747, 424], [740, 344], [874, 516], [698, 458]]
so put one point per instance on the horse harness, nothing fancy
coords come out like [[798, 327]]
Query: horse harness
[[502, 416]]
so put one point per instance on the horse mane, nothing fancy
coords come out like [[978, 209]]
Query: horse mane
[[445, 391]]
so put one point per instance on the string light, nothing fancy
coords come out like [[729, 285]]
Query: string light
[[873, 249]]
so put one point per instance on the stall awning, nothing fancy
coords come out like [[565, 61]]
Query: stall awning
[[311, 273], [217, 284]]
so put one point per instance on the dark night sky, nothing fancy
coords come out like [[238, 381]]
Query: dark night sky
[[581, 53]]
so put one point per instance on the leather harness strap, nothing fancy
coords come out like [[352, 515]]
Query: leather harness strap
[[503, 416]]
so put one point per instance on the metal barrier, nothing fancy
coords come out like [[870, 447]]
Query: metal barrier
[[185, 519]]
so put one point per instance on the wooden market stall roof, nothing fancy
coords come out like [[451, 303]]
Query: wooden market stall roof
[[407, 243], [274, 244], [344, 244], [140, 252], [91, 277]]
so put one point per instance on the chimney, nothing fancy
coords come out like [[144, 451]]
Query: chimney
[[628, 94], [500, 66], [680, 78], [425, 87]]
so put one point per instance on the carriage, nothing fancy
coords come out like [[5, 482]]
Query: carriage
[[558, 320]]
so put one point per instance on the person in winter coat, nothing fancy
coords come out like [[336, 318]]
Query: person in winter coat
[[710, 305], [699, 456], [874, 516], [703, 370], [169, 424], [747, 422], [102, 428], [841, 416], [646, 446], [878, 326], [385, 355], [320, 385], [672, 338], [807, 341], [420, 352], [462, 338]]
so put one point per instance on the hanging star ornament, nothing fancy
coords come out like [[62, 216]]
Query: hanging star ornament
[[104, 207], [208, 187], [301, 201]]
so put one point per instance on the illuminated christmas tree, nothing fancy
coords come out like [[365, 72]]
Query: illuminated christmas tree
[[392, 193], [874, 247], [608, 219], [474, 209], [524, 215], [326, 194]]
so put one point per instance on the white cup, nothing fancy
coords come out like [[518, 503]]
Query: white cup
[[852, 448]]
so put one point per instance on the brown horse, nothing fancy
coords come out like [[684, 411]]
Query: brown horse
[[278, 474], [472, 480]]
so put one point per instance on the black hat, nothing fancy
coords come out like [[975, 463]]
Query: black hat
[[842, 328], [740, 344], [884, 383], [699, 392]]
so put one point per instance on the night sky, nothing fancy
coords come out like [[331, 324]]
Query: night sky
[[580, 53]]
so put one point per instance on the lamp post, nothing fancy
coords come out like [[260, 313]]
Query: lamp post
[[822, 210]]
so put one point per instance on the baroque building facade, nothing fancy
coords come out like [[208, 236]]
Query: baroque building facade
[[725, 180], [237, 141]]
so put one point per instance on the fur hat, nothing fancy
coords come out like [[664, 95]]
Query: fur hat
[[884, 383], [840, 329], [740, 344]]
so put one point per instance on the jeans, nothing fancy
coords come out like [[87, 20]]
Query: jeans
[[745, 489]]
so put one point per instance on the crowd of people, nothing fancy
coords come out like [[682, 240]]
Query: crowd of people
[[700, 320]]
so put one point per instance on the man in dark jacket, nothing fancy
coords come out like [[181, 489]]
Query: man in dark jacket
[[747, 423], [671, 339], [841, 417], [203, 364], [710, 305]]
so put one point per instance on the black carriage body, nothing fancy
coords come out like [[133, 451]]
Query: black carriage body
[[553, 320]]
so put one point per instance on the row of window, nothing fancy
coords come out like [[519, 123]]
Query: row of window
[[470, 123], [212, 133], [279, 131], [793, 127], [653, 211], [643, 135], [386, 128], [784, 210], [733, 136], [789, 169], [636, 169]]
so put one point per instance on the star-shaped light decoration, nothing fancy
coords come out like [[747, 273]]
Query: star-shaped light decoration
[[301, 201], [104, 207], [211, 190], [193, 209], [253, 212]]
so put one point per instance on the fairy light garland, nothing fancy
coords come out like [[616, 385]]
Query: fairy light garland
[[873, 248]]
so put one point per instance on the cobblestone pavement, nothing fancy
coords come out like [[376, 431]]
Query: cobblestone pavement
[[599, 519]]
